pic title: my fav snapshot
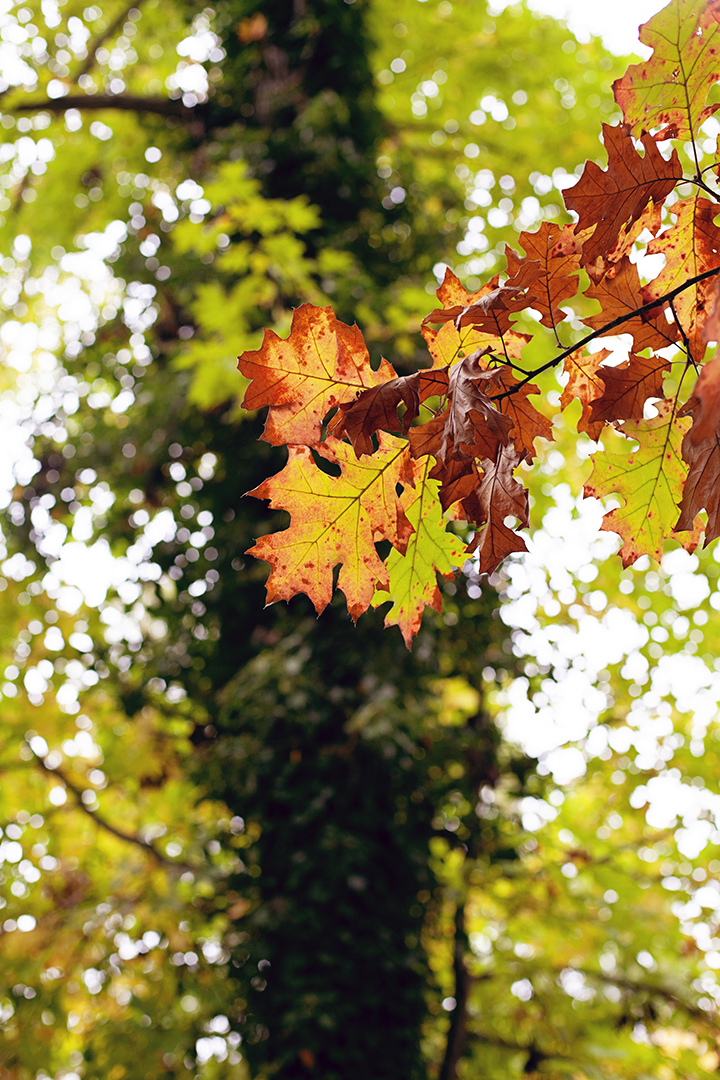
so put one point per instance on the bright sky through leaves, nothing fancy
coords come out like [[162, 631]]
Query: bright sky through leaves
[[615, 21]]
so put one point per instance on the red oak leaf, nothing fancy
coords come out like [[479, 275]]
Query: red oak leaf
[[627, 388], [323, 363], [611, 199]]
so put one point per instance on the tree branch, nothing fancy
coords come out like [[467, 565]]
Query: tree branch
[[128, 102], [117, 833], [457, 1032], [614, 324]]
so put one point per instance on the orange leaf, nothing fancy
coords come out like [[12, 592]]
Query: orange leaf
[[335, 520], [584, 384], [690, 247], [619, 294], [527, 423], [611, 199], [323, 363]]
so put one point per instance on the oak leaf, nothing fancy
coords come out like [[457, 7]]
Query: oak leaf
[[585, 385], [701, 450], [335, 520], [616, 197], [619, 295], [557, 280], [648, 480], [499, 496], [448, 343], [691, 246], [670, 89], [323, 363], [430, 550], [627, 387], [377, 409], [528, 423]]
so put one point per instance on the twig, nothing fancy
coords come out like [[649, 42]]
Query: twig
[[602, 332], [99, 820], [103, 37], [681, 328]]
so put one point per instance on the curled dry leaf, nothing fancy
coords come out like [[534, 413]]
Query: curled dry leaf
[[377, 409], [701, 450], [499, 496]]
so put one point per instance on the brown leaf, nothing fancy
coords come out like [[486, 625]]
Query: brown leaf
[[376, 409], [499, 496], [627, 388], [584, 384], [619, 294], [701, 450], [557, 279], [470, 425], [610, 199]]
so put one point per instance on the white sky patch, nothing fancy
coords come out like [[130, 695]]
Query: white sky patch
[[615, 21]]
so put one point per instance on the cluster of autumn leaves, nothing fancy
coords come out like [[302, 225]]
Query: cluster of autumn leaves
[[374, 456]]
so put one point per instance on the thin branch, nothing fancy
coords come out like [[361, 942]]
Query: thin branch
[[117, 833], [128, 102], [701, 184], [603, 331], [681, 328], [103, 37]]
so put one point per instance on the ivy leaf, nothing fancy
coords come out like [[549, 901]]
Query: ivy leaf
[[619, 294], [649, 481], [670, 89], [412, 584], [585, 385], [627, 387], [323, 363], [335, 520], [691, 246], [613, 198]]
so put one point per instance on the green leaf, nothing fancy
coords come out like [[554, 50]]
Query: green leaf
[[649, 481], [413, 576]]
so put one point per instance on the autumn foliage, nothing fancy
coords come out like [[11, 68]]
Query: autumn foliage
[[373, 456]]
